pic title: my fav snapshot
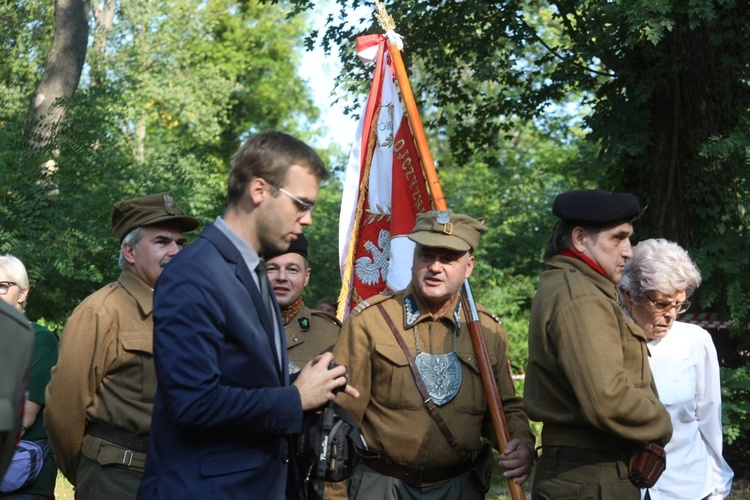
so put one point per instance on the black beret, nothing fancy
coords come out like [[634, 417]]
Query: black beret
[[594, 206], [298, 246]]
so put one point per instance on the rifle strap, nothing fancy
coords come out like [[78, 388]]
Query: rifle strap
[[431, 406]]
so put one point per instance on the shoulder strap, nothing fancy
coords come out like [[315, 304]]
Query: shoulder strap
[[429, 403], [332, 417], [321, 449]]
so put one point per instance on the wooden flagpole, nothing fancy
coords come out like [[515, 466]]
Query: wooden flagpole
[[477, 338]]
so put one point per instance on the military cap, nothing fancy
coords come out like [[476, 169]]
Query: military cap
[[148, 210], [594, 206], [447, 230], [298, 246]]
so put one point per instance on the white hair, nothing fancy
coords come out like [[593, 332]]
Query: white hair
[[16, 272], [659, 265]]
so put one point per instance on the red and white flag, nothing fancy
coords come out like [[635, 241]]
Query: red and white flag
[[384, 189]]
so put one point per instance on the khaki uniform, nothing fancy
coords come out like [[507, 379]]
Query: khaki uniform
[[16, 349], [308, 334], [588, 378], [394, 419], [105, 374]]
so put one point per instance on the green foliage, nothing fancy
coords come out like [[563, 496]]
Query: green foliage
[[644, 96], [163, 108], [735, 392], [323, 238]]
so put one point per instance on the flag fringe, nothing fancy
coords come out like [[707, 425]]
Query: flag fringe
[[346, 280]]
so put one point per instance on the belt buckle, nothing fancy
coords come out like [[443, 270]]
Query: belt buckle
[[414, 475], [127, 458]]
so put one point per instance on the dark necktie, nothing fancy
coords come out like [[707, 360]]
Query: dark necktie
[[264, 291]]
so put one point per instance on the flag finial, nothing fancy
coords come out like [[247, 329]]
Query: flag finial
[[388, 25], [385, 19]]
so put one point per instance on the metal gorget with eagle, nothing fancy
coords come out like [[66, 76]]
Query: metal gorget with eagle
[[441, 373]]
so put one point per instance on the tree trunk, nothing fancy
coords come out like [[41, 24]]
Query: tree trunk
[[140, 138], [691, 103], [104, 17], [62, 71]]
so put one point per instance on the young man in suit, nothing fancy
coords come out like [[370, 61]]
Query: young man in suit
[[226, 405]]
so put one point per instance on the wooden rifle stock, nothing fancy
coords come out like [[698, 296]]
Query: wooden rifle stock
[[489, 383]]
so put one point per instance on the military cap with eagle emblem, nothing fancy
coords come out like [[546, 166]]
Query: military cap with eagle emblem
[[148, 210]]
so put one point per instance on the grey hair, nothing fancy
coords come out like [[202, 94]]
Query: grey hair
[[132, 239], [661, 265], [16, 272]]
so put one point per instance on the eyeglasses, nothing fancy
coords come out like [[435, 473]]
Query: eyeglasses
[[661, 306], [302, 206], [5, 286]]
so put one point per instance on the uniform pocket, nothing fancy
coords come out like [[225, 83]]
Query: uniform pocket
[[137, 376], [470, 397], [635, 356], [392, 379]]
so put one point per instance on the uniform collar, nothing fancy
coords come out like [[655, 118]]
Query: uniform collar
[[416, 312], [139, 290], [288, 313], [572, 264]]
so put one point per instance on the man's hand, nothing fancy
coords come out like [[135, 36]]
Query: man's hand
[[316, 382], [516, 461]]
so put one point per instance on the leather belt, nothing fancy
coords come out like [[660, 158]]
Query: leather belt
[[129, 441], [583, 455], [416, 476]]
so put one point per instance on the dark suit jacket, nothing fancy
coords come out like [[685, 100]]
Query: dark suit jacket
[[224, 408]]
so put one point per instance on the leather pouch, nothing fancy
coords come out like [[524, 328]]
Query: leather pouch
[[646, 465], [481, 471]]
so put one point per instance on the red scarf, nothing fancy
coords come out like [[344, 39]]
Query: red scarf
[[287, 313], [585, 258]]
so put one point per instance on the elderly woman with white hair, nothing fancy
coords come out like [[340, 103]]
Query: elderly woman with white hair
[[14, 290], [656, 284]]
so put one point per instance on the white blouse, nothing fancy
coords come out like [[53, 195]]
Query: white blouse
[[686, 372]]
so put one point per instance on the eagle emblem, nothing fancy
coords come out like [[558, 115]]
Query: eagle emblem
[[371, 270]]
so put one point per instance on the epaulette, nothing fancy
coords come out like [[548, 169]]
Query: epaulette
[[487, 312], [364, 304], [333, 319]]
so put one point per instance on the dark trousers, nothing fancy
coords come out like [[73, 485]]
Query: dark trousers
[[366, 484], [106, 482], [567, 473]]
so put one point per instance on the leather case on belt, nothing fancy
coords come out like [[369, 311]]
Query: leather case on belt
[[646, 465]]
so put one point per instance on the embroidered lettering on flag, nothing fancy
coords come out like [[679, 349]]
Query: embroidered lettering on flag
[[384, 188]]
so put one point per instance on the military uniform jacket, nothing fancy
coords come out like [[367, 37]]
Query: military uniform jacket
[[16, 348], [105, 373], [308, 334], [394, 419], [588, 377]]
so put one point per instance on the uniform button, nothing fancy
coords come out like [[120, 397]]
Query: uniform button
[[572, 270], [286, 460], [295, 339], [469, 358]]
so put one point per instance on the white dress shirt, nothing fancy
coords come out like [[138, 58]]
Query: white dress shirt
[[686, 371]]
